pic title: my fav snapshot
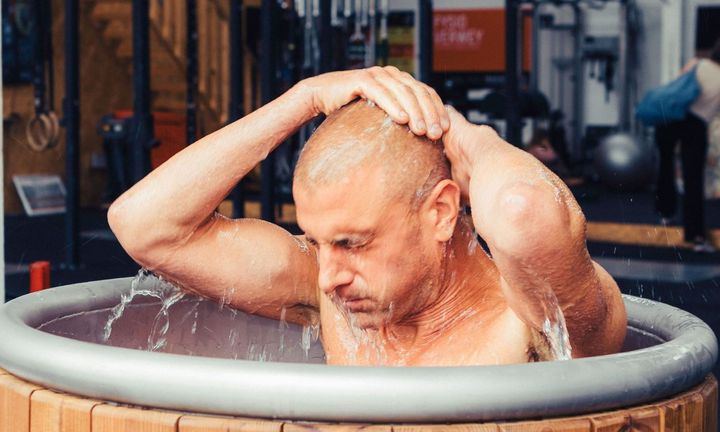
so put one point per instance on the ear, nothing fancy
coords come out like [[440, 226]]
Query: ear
[[441, 209]]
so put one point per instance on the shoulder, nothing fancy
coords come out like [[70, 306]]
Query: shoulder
[[708, 68]]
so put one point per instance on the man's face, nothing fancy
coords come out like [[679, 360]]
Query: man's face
[[375, 262]]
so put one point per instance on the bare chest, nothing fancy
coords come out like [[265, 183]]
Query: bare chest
[[504, 340]]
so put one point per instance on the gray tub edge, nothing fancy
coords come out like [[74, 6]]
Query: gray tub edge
[[348, 393]]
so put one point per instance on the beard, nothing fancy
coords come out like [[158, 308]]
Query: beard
[[365, 314]]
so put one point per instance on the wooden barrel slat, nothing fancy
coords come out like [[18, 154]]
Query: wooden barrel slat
[[557, 425], [610, 422], [198, 423], [474, 427], [672, 416], [709, 394], [26, 407], [15, 404], [319, 427], [646, 418], [57, 412], [109, 418]]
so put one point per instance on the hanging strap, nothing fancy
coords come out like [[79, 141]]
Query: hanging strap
[[43, 129]]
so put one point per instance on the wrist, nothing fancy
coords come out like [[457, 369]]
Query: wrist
[[483, 141], [306, 92]]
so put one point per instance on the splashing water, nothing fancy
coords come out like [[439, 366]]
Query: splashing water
[[310, 334], [282, 326], [157, 338], [557, 335], [147, 284]]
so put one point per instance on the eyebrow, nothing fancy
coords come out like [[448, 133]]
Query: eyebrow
[[349, 238]]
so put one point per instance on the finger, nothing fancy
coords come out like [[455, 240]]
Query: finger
[[440, 107], [406, 97], [432, 117], [427, 105], [371, 89], [430, 104]]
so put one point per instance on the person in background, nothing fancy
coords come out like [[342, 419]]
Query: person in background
[[692, 133], [712, 175]]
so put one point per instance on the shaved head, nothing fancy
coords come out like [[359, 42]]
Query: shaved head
[[361, 135]]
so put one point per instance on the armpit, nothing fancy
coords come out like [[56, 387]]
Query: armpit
[[302, 314], [539, 347]]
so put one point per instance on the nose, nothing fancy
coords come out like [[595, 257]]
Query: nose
[[333, 270]]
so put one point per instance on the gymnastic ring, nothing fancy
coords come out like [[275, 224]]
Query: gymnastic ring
[[54, 137], [38, 132]]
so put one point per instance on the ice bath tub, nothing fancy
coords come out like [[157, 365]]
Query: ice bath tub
[[660, 381]]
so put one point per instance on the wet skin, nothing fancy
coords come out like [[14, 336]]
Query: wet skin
[[412, 284], [389, 293]]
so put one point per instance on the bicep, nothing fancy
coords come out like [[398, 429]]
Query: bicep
[[248, 264]]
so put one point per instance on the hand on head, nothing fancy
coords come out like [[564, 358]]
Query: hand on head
[[406, 101], [403, 98]]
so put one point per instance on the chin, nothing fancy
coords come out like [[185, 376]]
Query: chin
[[366, 321]]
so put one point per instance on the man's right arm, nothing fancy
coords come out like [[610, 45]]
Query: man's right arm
[[167, 222]]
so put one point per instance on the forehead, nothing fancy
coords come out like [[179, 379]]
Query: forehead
[[355, 203]]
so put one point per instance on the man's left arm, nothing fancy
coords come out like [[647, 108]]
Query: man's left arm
[[536, 233]]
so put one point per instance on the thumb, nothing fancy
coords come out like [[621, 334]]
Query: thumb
[[452, 112], [457, 120]]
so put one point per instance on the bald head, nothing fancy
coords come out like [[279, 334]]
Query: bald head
[[361, 136]]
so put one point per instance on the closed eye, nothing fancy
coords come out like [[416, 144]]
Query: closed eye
[[350, 244]]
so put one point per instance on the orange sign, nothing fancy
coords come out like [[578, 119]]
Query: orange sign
[[473, 40]]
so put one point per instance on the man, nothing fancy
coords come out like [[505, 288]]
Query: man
[[388, 265]]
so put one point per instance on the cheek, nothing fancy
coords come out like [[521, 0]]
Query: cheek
[[396, 277]]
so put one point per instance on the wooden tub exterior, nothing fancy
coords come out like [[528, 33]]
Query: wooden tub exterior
[[26, 407]]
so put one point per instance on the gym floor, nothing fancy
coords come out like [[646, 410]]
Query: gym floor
[[624, 235]]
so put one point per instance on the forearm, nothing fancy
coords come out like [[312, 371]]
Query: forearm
[[175, 199]]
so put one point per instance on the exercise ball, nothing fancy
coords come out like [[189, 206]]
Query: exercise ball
[[625, 163]]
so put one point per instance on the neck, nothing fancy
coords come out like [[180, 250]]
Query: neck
[[468, 291]]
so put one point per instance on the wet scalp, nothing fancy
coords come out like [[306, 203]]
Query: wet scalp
[[362, 135]]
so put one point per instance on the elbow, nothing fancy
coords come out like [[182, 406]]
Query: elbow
[[117, 220], [531, 214], [131, 233]]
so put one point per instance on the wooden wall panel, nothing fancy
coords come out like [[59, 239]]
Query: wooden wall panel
[[15, 404], [108, 418], [215, 424], [105, 86], [56, 412]]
